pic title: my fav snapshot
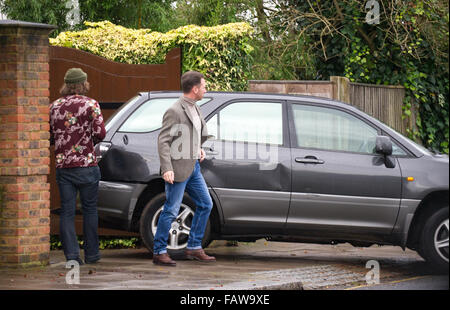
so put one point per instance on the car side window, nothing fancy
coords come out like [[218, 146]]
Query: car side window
[[148, 116], [331, 129], [396, 150], [212, 126], [253, 122]]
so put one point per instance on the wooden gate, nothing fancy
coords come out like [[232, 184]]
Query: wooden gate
[[112, 84]]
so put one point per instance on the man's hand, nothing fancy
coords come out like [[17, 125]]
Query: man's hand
[[202, 155], [169, 177]]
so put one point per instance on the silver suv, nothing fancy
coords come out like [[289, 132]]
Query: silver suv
[[285, 168]]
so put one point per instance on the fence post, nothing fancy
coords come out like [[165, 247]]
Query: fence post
[[341, 88], [24, 144]]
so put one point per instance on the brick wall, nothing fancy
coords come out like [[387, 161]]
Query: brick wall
[[24, 144]]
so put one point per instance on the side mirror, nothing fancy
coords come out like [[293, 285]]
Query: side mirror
[[383, 145]]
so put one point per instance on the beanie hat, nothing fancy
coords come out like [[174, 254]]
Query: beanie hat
[[75, 75]]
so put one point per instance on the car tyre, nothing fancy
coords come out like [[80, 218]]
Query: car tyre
[[434, 240], [178, 234]]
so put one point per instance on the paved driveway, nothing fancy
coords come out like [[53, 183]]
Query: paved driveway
[[259, 265]]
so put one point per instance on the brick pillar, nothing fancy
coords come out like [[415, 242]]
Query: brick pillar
[[24, 144]]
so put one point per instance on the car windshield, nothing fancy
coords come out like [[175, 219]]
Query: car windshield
[[421, 147], [417, 145]]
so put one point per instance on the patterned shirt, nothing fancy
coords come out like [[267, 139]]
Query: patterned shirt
[[76, 122]]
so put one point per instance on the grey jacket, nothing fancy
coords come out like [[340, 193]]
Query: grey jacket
[[177, 148]]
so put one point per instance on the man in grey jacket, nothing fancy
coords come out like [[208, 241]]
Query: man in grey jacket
[[179, 146]]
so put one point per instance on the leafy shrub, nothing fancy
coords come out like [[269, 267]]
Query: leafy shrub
[[222, 53], [105, 242]]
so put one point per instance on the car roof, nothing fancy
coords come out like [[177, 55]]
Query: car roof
[[244, 94], [224, 95], [256, 95]]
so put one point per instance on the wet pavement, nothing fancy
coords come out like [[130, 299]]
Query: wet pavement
[[248, 266]]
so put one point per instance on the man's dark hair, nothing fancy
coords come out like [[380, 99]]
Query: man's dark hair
[[190, 79]]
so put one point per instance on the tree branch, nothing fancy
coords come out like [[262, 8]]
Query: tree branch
[[363, 34]]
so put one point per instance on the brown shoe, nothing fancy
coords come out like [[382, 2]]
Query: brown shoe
[[199, 255], [164, 260]]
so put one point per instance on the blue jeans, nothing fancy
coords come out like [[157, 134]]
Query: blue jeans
[[70, 181], [195, 186]]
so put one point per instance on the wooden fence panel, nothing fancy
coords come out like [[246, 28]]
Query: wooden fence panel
[[384, 102], [310, 88]]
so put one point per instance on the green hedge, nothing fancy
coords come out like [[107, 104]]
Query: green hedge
[[105, 242], [222, 53]]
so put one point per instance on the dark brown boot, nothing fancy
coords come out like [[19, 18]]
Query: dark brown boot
[[199, 255], [164, 260]]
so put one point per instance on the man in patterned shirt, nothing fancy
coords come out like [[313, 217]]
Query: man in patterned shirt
[[76, 124]]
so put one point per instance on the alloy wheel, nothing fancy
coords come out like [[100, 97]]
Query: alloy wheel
[[180, 229], [441, 240]]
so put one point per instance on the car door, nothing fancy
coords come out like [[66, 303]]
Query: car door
[[340, 186], [248, 165]]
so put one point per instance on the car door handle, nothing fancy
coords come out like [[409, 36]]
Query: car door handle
[[309, 160]]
